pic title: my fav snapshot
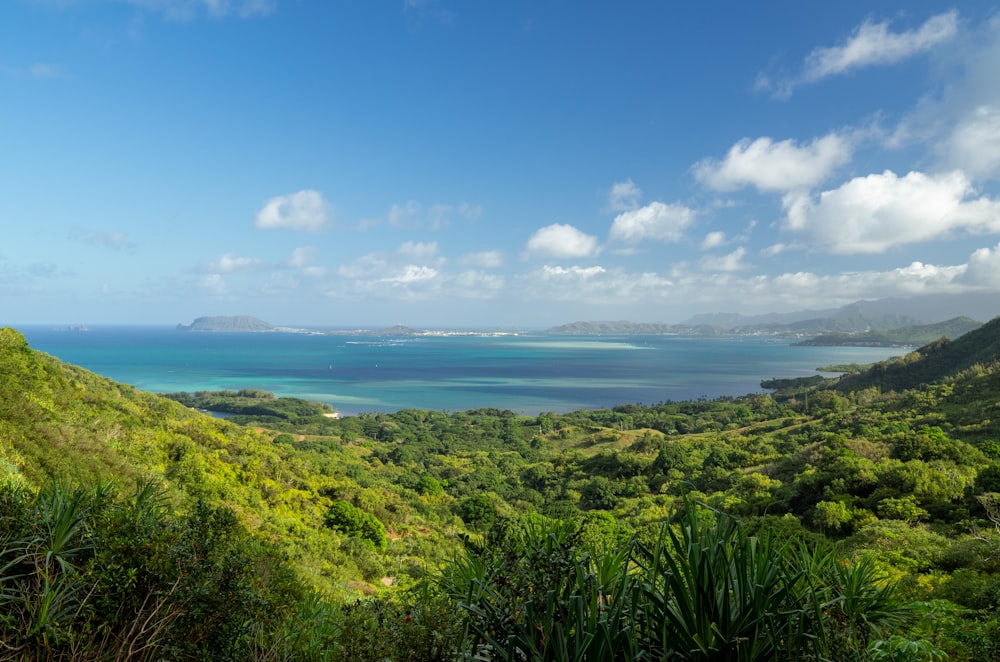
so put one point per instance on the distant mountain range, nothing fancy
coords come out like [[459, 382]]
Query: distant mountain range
[[926, 309], [854, 320]]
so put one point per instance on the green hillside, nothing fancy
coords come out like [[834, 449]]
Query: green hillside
[[904, 336], [933, 362], [859, 523]]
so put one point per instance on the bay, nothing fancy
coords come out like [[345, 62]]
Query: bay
[[526, 373]]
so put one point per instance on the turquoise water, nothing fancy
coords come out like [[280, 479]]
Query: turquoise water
[[525, 373]]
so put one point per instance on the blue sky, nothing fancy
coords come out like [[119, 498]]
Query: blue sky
[[479, 164]]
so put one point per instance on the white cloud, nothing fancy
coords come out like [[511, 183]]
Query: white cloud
[[304, 210], [439, 215], [873, 44], [974, 144], [803, 289], [624, 196], [366, 266], [730, 262], [773, 249], [875, 213], [960, 117], [483, 259], [399, 214], [418, 250], [713, 240], [561, 241], [983, 268], [775, 166], [411, 273], [656, 220], [585, 272], [229, 263], [595, 285], [381, 277]]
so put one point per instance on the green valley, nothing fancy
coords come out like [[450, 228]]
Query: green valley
[[839, 519]]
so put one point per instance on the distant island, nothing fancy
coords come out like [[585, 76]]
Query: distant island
[[236, 323]]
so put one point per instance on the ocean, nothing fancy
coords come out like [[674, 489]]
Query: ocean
[[526, 373]]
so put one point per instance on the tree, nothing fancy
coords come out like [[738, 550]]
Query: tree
[[356, 523]]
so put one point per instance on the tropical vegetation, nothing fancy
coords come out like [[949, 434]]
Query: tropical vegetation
[[845, 519]]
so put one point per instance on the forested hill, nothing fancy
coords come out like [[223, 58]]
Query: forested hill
[[932, 362], [904, 336]]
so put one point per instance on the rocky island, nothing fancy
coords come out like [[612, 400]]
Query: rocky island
[[235, 323]]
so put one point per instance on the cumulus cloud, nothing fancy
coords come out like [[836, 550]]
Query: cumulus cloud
[[974, 144], [722, 289], [624, 196], [775, 166], [658, 221], [875, 213], [391, 276], [983, 268], [304, 210], [229, 264], [730, 262], [411, 273], [381, 274], [713, 240], [561, 241]]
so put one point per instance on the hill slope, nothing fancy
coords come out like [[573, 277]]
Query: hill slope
[[908, 335], [931, 363], [61, 422]]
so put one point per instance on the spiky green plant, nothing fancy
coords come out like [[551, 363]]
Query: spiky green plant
[[709, 592]]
